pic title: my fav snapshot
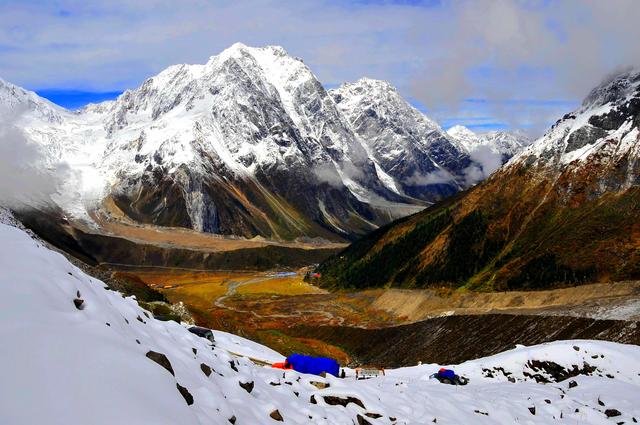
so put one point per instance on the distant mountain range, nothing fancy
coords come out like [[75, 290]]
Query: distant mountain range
[[565, 210], [251, 144]]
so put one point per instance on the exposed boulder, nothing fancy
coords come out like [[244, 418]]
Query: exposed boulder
[[162, 360], [276, 416], [186, 394]]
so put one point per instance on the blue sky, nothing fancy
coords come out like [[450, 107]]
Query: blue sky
[[74, 99], [484, 63]]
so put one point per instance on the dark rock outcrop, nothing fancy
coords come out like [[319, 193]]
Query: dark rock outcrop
[[342, 401], [276, 416], [161, 359], [247, 386], [186, 394], [205, 369]]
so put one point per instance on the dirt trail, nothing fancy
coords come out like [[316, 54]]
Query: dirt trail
[[232, 288]]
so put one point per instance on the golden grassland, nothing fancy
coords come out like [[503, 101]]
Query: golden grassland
[[196, 289], [208, 286], [289, 285], [264, 307]]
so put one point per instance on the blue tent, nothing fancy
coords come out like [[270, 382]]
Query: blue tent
[[313, 365]]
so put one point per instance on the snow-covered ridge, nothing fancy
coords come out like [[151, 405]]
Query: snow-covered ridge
[[74, 352], [15, 100], [603, 129], [505, 143], [409, 147], [489, 151]]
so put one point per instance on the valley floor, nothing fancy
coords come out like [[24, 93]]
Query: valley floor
[[288, 314], [183, 238]]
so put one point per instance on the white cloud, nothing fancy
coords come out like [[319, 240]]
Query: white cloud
[[327, 173], [438, 176], [486, 161], [498, 49], [23, 179]]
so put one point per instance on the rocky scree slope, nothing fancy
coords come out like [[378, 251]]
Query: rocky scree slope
[[74, 351], [431, 340], [563, 211]]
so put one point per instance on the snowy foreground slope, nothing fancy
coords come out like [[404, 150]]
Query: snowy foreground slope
[[66, 365]]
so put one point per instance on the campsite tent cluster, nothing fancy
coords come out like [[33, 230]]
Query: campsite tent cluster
[[310, 365], [323, 365]]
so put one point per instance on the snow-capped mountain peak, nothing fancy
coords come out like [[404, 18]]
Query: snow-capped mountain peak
[[465, 136], [413, 148], [603, 132], [504, 143], [256, 125], [16, 101]]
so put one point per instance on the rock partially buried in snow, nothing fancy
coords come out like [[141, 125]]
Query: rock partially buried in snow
[[205, 369], [612, 413], [79, 303], [186, 394], [362, 421], [342, 401], [247, 386], [162, 360], [276, 416], [320, 385]]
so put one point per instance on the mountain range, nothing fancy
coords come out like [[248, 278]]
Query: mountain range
[[248, 145], [562, 211]]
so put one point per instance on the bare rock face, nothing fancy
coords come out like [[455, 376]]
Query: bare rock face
[[405, 345]]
